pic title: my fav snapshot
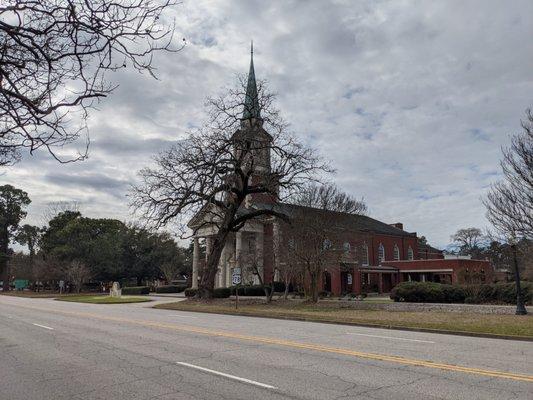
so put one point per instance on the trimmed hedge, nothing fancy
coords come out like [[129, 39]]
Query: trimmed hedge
[[136, 290], [170, 289], [221, 293], [250, 290], [501, 292], [278, 286], [429, 292]]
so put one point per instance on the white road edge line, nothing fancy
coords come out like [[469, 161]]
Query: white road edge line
[[43, 326], [390, 337], [236, 378]]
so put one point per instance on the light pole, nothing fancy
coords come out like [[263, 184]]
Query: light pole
[[520, 307]]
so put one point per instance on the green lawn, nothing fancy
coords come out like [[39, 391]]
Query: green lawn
[[104, 299], [456, 322], [46, 294]]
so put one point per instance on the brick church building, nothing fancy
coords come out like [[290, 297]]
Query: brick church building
[[367, 255]]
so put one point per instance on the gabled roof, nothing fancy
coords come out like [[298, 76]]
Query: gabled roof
[[426, 247], [344, 221]]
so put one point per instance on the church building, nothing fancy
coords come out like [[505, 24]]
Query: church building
[[371, 257]]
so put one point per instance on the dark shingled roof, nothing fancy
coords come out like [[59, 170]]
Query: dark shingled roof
[[346, 221]]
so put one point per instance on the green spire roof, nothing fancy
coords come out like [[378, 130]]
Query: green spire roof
[[251, 102]]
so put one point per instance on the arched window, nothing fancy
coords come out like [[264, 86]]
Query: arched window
[[346, 247], [364, 255], [410, 255], [396, 252], [381, 253]]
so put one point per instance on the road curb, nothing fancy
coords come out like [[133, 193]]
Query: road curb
[[380, 326]]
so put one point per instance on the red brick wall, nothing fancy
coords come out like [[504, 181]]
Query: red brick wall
[[388, 242]]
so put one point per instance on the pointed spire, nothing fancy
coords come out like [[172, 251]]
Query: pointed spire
[[251, 102]]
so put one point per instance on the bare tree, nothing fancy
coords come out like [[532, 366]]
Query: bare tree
[[469, 241], [509, 202], [285, 266], [171, 270], [313, 239], [312, 244], [330, 197], [55, 208], [218, 170], [54, 58], [253, 261], [78, 273]]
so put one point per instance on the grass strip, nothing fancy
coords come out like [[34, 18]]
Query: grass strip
[[104, 299], [447, 322]]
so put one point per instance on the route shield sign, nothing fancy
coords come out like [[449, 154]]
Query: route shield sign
[[236, 276]]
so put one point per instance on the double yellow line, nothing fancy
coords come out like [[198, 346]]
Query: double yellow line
[[299, 345]]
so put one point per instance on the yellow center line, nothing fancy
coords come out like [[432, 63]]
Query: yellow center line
[[298, 345]]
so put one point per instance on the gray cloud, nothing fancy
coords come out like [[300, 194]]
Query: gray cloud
[[410, 100]]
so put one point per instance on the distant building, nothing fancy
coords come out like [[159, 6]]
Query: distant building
[[375, 257]]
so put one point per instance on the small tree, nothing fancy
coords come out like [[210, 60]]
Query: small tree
[[77, 273], [13, 202], [509, 202], [255, 267], [313, 238]]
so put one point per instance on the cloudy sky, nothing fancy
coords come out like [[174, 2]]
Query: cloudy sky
[[410, 100]]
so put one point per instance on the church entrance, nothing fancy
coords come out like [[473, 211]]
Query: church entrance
[[346, 282]]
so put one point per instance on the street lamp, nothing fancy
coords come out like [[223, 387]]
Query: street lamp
[[520, 307]]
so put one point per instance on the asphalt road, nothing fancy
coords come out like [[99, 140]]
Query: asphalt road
[[60, 350]]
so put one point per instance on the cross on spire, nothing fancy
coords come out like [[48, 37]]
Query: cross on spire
[[251, 101]]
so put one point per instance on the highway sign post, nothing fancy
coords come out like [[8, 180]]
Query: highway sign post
[[236, 280]]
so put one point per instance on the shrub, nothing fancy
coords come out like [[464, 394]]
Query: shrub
[[324, 294], [278, 286], [453, 294], [506, 292], [136, 290], [255, 290], [190, 292], [221, 293], [427, 292], [250, 290], [170, 289]]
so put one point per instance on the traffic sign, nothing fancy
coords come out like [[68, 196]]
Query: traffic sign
[[236, 279]]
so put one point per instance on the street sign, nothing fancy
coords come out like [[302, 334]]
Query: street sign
[[236, 279]]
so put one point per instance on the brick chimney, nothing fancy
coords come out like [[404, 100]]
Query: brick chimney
[[398, 225]]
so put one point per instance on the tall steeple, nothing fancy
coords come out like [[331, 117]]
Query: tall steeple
[[251, 102]]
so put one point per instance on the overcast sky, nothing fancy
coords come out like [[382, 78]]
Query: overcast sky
[[410, 100]]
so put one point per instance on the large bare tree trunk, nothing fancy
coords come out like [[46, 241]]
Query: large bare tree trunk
[[314, 287], [207, 282]]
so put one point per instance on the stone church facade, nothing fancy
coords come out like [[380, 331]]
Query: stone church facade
[[374, 256]]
